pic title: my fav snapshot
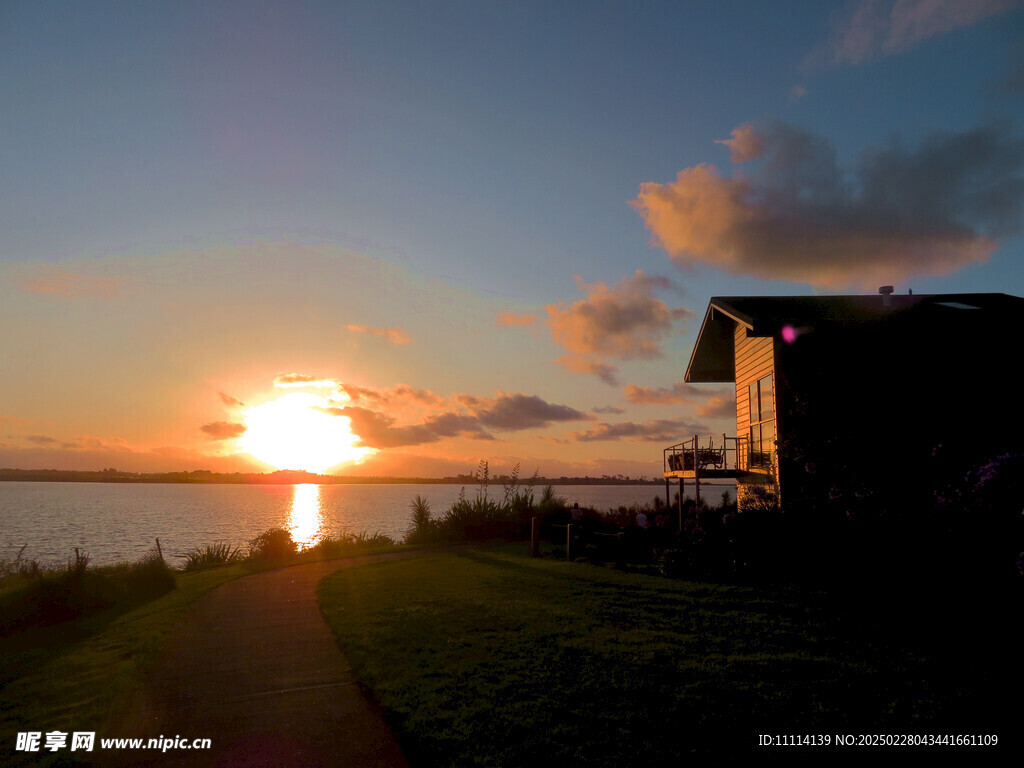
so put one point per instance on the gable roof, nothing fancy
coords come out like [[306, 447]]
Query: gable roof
[[712, 356]]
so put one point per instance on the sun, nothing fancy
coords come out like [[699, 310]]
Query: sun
[[292, 432]]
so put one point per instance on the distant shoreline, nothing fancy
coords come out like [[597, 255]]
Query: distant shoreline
[[291, 477]]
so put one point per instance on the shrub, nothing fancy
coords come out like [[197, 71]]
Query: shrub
[[273, 544], [423, 528], [64, 594], [349, 543], [211, 555]]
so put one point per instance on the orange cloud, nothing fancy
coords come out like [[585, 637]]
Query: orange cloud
[[623, 322], [223, 430], [710, 404], [509, 318], [800, 217], [651, 431], [394, 335], [286, 380], [744, 145], [229, 400], [62, 282], [402, 395]]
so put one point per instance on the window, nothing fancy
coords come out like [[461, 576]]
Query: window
[[762, 424]]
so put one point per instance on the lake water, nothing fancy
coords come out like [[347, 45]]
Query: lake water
[[115, 522]]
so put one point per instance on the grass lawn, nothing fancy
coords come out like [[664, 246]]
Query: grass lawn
[[487, 657], [77, 675], [74, 676]]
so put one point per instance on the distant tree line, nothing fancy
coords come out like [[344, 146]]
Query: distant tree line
[[283, 477]]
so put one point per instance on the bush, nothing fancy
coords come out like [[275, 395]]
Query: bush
[[349, 543], [211, 555], [58, 595], [273, 544], [483, 518], [423, 528]]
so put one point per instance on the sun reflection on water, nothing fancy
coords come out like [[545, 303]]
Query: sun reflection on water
[[307, 519]]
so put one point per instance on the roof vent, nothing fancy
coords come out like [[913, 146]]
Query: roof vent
[[886, 291]]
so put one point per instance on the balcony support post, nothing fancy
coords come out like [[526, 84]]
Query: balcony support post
[[682, 485]]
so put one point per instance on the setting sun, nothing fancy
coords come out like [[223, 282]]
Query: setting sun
[[292, 433]]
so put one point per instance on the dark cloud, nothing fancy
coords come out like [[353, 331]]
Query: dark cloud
[[516, 412], [798, 216], [377, 430], [613, 409], [506, 413], [652, 430], [223, 430]]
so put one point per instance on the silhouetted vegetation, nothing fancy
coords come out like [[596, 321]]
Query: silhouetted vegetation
[[212, 555], [346, 544], [35, 595], [272, 544], [483, 518]]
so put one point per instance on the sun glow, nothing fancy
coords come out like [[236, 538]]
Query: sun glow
[[292, 433]]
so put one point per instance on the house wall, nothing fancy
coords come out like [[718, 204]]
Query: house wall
[[755, 359]]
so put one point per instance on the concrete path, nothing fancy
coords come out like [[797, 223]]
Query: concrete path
[[255, 669]]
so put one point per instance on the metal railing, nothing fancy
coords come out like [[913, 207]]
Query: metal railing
[[701, 454]]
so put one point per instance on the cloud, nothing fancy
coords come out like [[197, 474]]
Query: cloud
[[302, 380], [517, 412], [234, 402], [42, 439], [744, 145], [614, 409], [928, 210], [623, 322], [223, 430], [62, 282], [716, 403], [394, 335], [377, 430], [651, 431], [402, 395], [873, 29], [504, 413], [509, 318]]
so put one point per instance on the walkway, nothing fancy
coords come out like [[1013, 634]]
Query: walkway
[[255, 669]]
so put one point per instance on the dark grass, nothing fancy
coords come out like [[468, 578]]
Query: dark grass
[[76, 675], [490, 658]]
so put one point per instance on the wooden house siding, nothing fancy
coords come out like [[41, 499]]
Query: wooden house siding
[[755, 359]]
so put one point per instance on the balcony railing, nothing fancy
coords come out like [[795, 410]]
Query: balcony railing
[[703, 455]]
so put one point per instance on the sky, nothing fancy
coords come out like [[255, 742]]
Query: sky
[[396, 238]]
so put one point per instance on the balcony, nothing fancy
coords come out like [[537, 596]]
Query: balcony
[[702, 457]]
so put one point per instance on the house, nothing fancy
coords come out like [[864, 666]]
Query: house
[[871, 400]]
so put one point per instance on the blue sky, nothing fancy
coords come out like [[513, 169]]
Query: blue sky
[[201, 197]]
